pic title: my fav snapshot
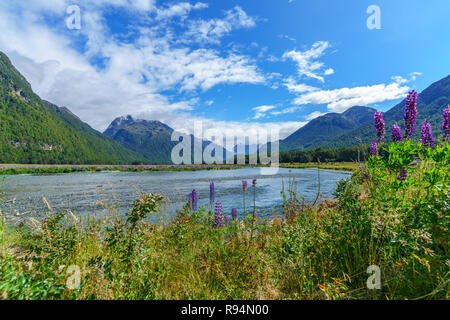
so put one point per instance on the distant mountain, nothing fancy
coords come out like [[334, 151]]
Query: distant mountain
[[325, 127], [151, 139], [246, 149], [36, 131], [430, 104]]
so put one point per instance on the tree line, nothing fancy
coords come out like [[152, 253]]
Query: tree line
[[346, 154]]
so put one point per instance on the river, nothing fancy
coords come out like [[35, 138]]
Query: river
[[102, 192]]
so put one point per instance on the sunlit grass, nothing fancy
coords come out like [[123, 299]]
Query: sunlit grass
[[318, 250], [345, 166]]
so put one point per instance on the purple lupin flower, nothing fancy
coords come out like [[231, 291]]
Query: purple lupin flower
[[446, 123], [373, 149], [402, 175], [254, 182], [234, 214], [426, 134], [227, 219], [379, 126], [212, 193], [193, 196], [410, 114], [396, 133], [218, 215], [244, 185], [255, 215]]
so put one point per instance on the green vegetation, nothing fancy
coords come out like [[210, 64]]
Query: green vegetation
[[34, 131], [347, 154], [354, 127], [151, 139], [429, 104], [344, 166], [393, 213], [323, 128], [59, 169], [54, 169]]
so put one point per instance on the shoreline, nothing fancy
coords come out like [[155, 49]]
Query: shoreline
[[342, 166], [17, 169]]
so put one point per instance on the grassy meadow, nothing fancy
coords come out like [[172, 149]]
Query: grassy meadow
[[344, 166], [393, 213]]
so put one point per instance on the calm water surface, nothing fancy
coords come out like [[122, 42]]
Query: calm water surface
[[95, 192]]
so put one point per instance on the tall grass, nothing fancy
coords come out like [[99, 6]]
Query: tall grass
[[319, 250]]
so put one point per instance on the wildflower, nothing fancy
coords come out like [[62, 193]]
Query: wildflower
[[446, 123], [379, 126], [426, 134], [234, 213], [193, 198], [402, 175], [396, 133], [254, 196], [373, 149], [255, 215], [244, 185], [410, 114], [212, 193], [218, 215], [227, 219]]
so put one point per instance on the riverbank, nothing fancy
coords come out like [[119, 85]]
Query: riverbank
[[316, 250], [12, 169], [84, 192], [343, 166]]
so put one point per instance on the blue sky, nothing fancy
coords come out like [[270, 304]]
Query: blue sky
[[235, 65]]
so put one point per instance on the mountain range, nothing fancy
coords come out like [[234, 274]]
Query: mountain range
[[151, 139], [325, 127], [33, 130], [430, 104]]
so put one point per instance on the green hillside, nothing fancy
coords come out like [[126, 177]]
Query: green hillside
[[431, 102], [151, 139], [323, 128], [35, 131]]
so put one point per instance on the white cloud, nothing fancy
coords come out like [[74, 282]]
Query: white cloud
[[294, 87], [57, 6], [399, 79], [260, 111], [329, 72], [339, 100], [285, 36], [307, 64], [135, 74], [286, 111], [235, 128], [272, 58], [414, 75], [144, 5], [181, 9], [211, 31], [314, 115]]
